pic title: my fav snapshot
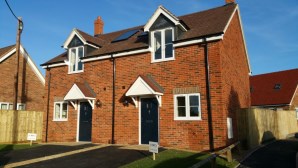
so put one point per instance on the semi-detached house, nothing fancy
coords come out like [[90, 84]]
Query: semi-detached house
[[178, 81]]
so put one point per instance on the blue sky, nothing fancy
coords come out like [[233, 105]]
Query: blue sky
[[270, 27]]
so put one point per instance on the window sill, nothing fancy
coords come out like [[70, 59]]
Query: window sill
[[162, 60], [60, 120], [187, 119], [75, 72]]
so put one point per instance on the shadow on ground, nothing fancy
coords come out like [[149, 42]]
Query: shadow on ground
[[280, 153]]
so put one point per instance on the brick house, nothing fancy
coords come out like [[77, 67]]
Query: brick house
[[276, 90], [31, 81], [175, 80]]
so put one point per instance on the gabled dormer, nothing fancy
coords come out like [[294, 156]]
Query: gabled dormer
[[164, 28], [77, 46]]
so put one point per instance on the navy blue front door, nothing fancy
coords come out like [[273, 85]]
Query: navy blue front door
[[149, 120], [85, 122]]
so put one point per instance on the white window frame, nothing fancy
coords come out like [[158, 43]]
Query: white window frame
[[7, 103], [70, 71], [19, 104], [296, 110], [60, 111], [187, 117], [162, 45]]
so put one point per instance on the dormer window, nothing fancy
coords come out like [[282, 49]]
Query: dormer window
[[162, 44], [75, 63]]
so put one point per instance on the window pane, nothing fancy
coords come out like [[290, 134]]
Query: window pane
[[81, 54], [169, 51], [169, 43], [73, 60], [194, 111], [169, 36], [21, 107], [181, 112], [193, 100], [57, 111], [64, 110], [4, 106], [157, 45], [10, 106], [181, 101]]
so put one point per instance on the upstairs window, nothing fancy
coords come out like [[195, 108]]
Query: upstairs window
[[75, 63], [162, 45]]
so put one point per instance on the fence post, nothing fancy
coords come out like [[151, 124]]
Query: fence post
[[213, 162], [229, 155]]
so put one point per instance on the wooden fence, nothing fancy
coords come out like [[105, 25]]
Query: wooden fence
[[15, 125], [256, 125]]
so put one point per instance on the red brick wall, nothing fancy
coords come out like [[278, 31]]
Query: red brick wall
[[235, 75], [187, 70], [30, 88]]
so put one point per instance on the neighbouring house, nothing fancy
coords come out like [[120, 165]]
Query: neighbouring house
[[31, 82], [177, 81], [276, 90]]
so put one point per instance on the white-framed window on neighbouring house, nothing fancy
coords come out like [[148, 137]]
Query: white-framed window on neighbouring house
[[6, 106], [75, 64], [60, 111], [187, 106], [296, 109], [21, 106], [162, 44]]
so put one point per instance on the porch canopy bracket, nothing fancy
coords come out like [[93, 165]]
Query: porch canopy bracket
[[144, 86]]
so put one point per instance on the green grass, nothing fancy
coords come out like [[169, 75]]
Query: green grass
[[175, 158], [9, 147]]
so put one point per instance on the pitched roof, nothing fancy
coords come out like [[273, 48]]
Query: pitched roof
[[265, 90], [80, 91], [152, 83], [201, 24], [5, 50], [144, 85], [8, 51]]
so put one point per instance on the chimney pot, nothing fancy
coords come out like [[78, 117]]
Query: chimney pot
[[98, 26], [230, 1]]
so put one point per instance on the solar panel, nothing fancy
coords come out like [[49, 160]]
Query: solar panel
[[126, 35]]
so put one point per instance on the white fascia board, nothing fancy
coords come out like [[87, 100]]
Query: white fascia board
[[29, 61], [181, 44], [32, 65], [296, 91], [70, 37], [7, 55], [116, 55], [166, 13], [241, 27], [92, 45], [54, 65], [131, 52], [96, 58]]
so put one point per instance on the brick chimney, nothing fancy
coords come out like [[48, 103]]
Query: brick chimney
[[230, 1], [98, 26]]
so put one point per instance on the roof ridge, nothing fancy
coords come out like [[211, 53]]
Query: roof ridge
[[120, 30]]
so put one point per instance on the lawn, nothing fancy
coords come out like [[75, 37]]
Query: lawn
[[175, 158], [8, 147]]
